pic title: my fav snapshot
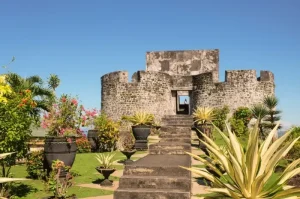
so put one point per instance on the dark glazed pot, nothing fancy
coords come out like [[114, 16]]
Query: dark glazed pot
[[106, 173], [207, 130], [141, 133], [57, 148], [128, 155], [93, 139]]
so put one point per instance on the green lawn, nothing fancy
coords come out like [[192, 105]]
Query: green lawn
[[84, 166]]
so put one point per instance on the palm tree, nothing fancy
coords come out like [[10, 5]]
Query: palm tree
[[53, 81], [270, 103], [259, 112], [40, 94]]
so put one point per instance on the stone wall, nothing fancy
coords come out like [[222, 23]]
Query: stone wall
[[241, 88], [149, 91], [191, 62]]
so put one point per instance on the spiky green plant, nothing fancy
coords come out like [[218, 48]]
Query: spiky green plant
[[105, 160], [140, 118], [203, 115], [249, 170]]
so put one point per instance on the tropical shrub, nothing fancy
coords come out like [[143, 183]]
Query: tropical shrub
[[15, 123], [108, 132], [238, 127], [83, 145], [203, 115], [140, 118], [244, 114], [249, 170], [221, 116], [35, 166], [105, 160]]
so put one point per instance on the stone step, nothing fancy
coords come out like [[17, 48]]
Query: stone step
[[151, 194], [177, 123], [178, 116], [175, 135], [178, 119], [159, 165], [174, 129], [184, 140], [170, 148], [155, 182]]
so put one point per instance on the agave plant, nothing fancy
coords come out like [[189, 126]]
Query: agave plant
[[249, 170], [203, 115], [105, 160], [140, 118]]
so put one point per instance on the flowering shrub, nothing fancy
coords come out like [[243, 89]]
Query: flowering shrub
[[83, 145], [35, 164], [66, 117], [4, 89]]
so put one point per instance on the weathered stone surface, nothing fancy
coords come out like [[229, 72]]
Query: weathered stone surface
[[155, 182], [193, 72], [170, 148], [190, 62]]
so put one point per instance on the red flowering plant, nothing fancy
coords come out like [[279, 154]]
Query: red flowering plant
[[66, 117]]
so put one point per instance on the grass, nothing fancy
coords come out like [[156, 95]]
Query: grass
[[84, 166]]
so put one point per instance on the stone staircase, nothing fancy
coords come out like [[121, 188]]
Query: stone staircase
[[158, 175]]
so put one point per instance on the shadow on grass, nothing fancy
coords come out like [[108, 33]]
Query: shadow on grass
[[21, 190]]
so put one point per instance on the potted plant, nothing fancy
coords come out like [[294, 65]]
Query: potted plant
[[63, 123], [127, 147], [203, 117], [142, 123], [105, 168]]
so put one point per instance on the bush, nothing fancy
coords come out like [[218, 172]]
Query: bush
[[220, 117], [244, 114], [83, 145], [294, 153], [238, 127], [35, 164], [108, 132], [240, 120]]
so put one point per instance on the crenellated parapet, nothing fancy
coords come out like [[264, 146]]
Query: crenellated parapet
[[169, 74]]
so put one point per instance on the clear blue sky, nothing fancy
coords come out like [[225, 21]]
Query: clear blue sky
[[82, 40]]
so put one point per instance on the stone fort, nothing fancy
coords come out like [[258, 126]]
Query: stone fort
[[170, 75]]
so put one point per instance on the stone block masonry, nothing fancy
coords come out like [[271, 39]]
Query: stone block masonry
[[171, 73]]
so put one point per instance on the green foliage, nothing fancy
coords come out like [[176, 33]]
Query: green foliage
[[221, 116], [294, 153], [249, 170], [140, 118], [83, 145], [108, 132], [238, 126], [35, 164], [15, 123], [240, 120], [244, 114]]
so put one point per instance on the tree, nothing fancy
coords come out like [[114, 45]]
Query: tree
[[41, 95], [259, 112], [53, 81], [272, 117], [221, 117]]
